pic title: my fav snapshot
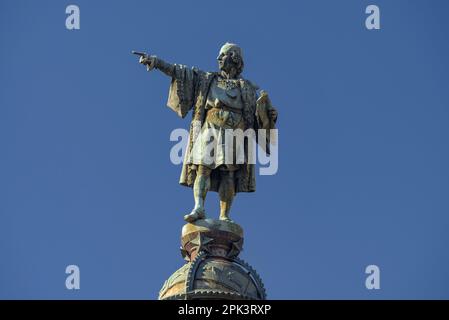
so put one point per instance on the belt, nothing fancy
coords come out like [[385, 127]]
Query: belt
[[226, 108]]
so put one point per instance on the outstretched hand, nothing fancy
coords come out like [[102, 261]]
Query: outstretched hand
[[148, 61]]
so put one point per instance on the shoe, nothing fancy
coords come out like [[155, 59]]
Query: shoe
[[195, 215], [227, 219]]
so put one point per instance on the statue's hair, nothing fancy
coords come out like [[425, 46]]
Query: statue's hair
[[237, 56], [238, 60]]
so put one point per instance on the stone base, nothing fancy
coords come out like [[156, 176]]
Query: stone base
[[213, 269], [219, 238]]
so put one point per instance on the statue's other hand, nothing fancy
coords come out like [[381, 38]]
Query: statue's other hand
[[273, 114]]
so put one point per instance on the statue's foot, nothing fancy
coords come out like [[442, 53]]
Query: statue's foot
[[226, 218], [196, 214]]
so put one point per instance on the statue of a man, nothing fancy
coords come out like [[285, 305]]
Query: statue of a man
[[220, 101]]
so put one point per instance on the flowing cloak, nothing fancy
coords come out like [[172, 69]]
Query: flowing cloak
[[189, 89]]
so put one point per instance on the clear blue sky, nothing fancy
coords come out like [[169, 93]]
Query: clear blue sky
[[85, 175]]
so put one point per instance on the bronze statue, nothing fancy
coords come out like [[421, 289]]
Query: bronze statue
[[220, 101]]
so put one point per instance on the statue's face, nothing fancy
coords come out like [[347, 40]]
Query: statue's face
[[225, 62]]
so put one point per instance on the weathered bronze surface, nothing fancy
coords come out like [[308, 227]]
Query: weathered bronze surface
[[219, 101]]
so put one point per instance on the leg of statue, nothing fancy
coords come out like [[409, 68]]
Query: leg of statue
[[226, 192], [200, 188]]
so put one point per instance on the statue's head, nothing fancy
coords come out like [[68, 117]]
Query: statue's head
[[230, 57]]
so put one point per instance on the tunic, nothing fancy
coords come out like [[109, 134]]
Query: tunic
[[217, 106], [224, 114]]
